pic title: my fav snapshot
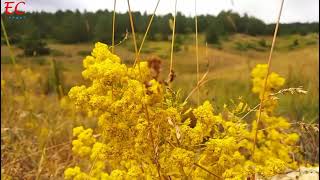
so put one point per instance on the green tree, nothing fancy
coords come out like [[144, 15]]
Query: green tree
[[73, 28], [34, 45], [103, 29], [212, 36]]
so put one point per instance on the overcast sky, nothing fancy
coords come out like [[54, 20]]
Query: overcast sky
[[267, 10]]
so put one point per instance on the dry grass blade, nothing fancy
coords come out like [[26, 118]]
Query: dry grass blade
[[251, 110], [203, 168], [145, 106], [201, 82], [206, 49], [170, 76], [43, 154], [13, 61], [301, 124], [152, 141], [133, 32], [197, 49], [146, 33], [124, 38], [265, 83], [113, 23], [178, 132], [36, 153], [297, 90]]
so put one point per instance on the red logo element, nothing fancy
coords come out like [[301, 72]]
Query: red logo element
[[14, 5]]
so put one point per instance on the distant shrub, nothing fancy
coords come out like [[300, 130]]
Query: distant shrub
[[294, 44], [56, 53], [240, 46], [255, 47], [303, 33], [262, 43], [312, 42], [13, 39], [34, 47], [212, 38], [248, 45], [83, 53], [178, 43]]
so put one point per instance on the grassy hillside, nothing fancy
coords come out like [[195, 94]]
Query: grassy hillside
[[296, 57]]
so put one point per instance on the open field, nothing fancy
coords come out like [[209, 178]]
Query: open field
[[229, 75]]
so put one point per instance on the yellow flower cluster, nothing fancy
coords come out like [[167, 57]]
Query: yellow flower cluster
[[144, 132], [82, 145], [274, 82], [273, 138]]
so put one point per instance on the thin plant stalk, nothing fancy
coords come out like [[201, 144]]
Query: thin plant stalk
[[40, 165], [13, 61], [202, 81], [113, 23], [145, 106], [58, 83], [203, 168], [173, 37], [206, 49], [265, 82], [133, 32], [12, 56], [148, 28], [197, 50]]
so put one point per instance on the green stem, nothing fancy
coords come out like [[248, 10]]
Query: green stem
[[13, 61]]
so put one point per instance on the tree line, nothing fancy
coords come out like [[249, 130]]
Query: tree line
[[75, 26]]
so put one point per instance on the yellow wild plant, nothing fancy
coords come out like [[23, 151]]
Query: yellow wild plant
[[144, 131]]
